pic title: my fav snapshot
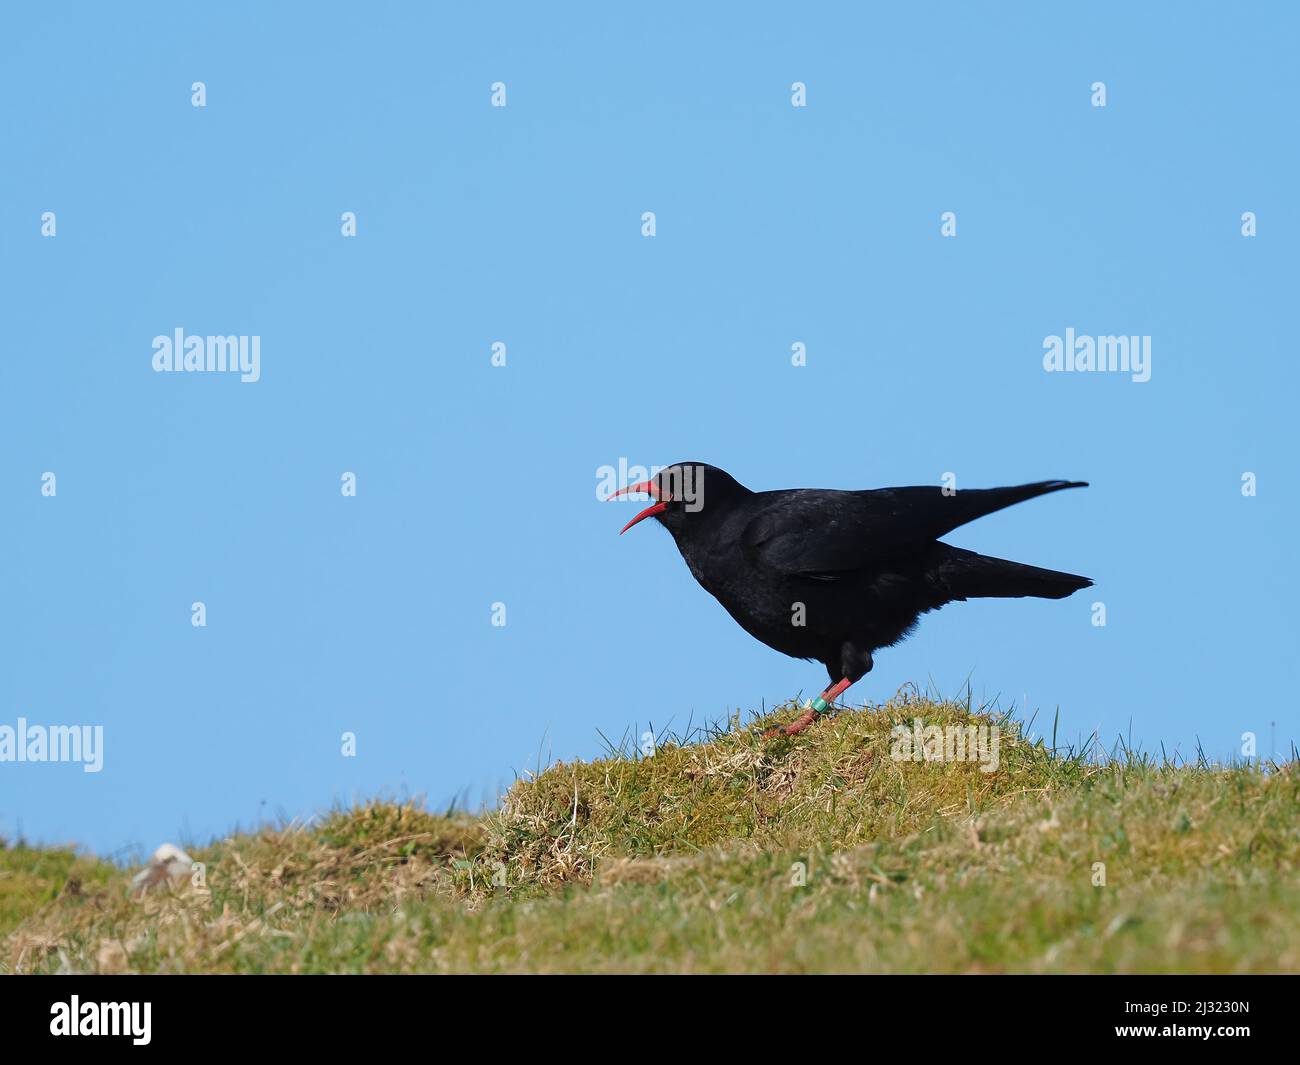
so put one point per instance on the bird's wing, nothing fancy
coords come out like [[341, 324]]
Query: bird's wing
[[813, 533]]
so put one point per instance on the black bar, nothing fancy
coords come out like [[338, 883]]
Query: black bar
[[332, 1014]]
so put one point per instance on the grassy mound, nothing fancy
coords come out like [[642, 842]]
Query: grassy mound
[[823, 852]]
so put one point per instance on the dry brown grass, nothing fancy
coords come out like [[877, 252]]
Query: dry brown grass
[[820, 853]]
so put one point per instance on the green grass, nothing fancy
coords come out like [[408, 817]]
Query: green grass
[[820, 853]]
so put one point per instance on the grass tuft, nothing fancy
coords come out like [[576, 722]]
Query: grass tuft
[[719, 852]]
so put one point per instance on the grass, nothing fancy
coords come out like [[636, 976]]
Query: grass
[[819, 853]]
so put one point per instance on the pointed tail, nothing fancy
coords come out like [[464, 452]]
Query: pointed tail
[[966, 575], [971, 503]]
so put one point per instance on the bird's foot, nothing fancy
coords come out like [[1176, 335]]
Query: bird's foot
[[812, 711], [795, 727], [815, 709]]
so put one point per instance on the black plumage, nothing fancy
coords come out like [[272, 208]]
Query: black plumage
[[833, 576]]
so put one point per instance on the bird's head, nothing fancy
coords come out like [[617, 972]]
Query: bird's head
[[684, 493]]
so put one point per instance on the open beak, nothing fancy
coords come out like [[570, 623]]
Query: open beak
[[648, 488]]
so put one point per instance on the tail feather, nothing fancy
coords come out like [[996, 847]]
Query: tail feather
[[970, 503], [966, 575]]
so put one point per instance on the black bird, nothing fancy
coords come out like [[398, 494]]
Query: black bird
[[833, 576]]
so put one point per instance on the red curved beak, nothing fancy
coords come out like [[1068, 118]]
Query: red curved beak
[[648, 488]]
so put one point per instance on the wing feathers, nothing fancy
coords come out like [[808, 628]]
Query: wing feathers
[[822, 533]]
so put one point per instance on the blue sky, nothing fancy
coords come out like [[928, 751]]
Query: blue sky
[[477, 484]]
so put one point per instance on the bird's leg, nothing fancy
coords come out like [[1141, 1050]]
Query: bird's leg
[[818, 706]]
